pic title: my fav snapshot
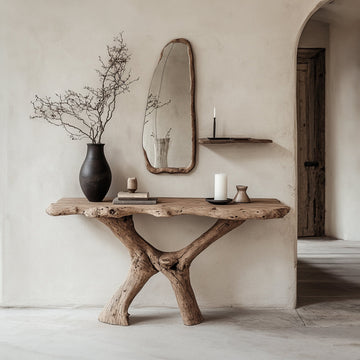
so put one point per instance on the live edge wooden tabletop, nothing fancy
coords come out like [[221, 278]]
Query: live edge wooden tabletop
[[147, 261], [172, 206]]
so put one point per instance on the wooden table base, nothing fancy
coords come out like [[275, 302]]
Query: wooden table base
[[146, 261]]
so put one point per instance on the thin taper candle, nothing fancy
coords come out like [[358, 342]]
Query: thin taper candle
[[214, 124], [214, 128]]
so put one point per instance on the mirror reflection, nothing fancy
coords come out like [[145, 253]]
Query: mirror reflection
[[169, 124]]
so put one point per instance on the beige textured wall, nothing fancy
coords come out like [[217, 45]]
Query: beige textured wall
[[315, 35], [343, 128], [245, 65]]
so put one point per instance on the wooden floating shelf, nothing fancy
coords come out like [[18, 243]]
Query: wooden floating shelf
[[232, 140]]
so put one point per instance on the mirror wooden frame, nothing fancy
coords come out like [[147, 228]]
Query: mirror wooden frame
[[181, 170]]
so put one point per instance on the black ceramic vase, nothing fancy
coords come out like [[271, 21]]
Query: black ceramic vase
[[95, 173]]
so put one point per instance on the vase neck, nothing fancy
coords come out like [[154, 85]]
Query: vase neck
[[95, 151]]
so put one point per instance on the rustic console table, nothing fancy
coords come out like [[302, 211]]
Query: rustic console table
[[146, 260]]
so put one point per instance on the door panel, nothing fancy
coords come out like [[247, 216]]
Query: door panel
[[311, 141]]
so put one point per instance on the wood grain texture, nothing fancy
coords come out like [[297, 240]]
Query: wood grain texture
[[171, 206], [207, 141], [311, 141], [146, 260]]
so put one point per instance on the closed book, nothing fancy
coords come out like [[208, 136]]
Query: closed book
[[149, 201], [135, 195]]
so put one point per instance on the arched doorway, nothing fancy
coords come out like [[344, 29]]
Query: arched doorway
[[329, 104], [329, 270]]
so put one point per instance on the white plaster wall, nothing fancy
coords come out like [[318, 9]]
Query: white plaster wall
[[245, 65], [315, 35], [343, 128], [3, 178]]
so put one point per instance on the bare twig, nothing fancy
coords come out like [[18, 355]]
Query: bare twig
[[85, 115], [153, 103]]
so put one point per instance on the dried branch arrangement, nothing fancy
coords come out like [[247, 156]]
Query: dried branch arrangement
[[85, 115], [153, 103]]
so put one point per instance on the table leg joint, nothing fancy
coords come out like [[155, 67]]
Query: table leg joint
[[146, 261]]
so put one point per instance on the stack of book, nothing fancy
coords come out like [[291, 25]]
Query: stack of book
[[136, 198]]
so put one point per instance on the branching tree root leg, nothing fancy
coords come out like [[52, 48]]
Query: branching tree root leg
[[147, 261], [189, 309], [116, 311]]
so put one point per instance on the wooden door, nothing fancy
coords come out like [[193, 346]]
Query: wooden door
[[311, 141]]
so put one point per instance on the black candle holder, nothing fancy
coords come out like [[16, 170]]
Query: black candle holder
[[214, 133]]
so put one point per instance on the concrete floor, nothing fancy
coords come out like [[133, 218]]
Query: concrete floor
[[326, 326], [157, 333], [328, 270]]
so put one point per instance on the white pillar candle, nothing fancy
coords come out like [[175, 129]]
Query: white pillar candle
[[214, 112], [220, 187]]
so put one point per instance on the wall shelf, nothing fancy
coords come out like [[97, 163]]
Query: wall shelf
[[232, 140]]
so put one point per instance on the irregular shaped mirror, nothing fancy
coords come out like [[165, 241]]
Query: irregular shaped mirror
[[169, 125]]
